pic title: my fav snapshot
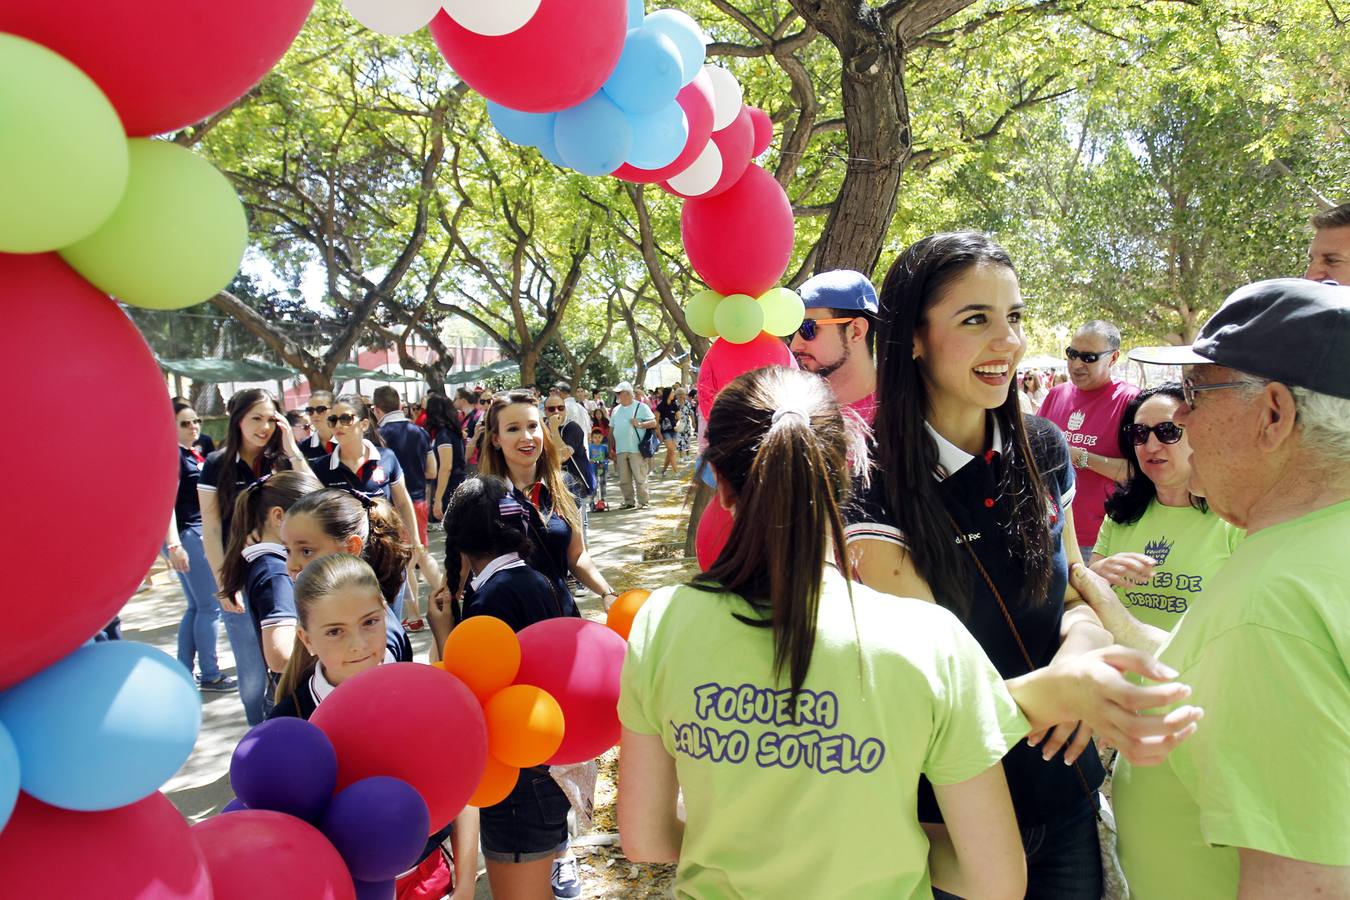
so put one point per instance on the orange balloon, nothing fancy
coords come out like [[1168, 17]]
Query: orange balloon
[[437, 664], [499, 780], [525, 725], [625, 608], [483, 652]]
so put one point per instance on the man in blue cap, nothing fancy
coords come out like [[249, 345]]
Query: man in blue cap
[[838, 336]]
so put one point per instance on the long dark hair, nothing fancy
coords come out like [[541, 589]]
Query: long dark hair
[[906, 454], [282, 489], [320, 579], [362, 408], [341, 515], [1130, 500], [791, 479], [479, 523], [442, 415], [272, 453]]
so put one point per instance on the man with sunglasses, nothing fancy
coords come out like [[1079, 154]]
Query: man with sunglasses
[[1087, 408], [320, 443], [837, 338], [1255, 804]]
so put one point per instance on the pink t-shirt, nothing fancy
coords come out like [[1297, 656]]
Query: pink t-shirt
[[1090, 420], [865, 407]]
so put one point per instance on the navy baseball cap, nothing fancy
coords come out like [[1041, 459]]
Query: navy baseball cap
[[840, 289], [1290, 330]]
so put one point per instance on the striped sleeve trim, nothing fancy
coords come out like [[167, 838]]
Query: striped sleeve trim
[[209, 488], [273, 621], [873, 531], [1067, 497]]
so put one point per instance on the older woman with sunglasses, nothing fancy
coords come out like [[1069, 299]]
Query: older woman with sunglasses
[[1159, 544]]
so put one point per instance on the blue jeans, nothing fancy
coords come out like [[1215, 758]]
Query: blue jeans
[[200, 625], [1064, 859], [249, 666]]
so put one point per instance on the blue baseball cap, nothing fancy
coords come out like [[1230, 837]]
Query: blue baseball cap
[[841, 289]]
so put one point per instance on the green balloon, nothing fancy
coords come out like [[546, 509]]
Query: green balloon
[[783, 311], [176, 238], [699, 310], [739, 319], [63, 153]]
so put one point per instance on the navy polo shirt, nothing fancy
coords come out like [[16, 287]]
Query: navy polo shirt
[[314, 448], [269, 593], [446, 438], [1042, 792], [187, 509], [375, 477], [411, 445], [215, 469], [515, 593], [551, 538]]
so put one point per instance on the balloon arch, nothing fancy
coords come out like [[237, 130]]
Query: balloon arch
[[96, 209]]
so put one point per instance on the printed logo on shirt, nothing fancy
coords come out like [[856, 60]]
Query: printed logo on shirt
[[1076, 420], [1054, 510], [968, 538], [1159, 550], [801, 737], [378, 475]]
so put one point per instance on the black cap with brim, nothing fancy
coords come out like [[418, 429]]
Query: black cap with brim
[[1289, 330]]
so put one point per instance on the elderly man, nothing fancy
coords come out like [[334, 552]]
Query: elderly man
[[1329, 255], [1257, 804]]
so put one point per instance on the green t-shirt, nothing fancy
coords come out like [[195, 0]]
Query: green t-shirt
[[1268, 657], [1188, 545], [824, 806]]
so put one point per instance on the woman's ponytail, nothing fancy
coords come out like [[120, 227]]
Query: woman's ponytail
[[280, 489], [298, 670], [385, 550]]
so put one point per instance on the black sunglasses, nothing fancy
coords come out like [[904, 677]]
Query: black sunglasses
[[186, 422], [344, 419], [1167, 432], [315, 410], [811, 327], [1086, 357]]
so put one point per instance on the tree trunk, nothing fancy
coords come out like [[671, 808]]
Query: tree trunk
[[529, 366]]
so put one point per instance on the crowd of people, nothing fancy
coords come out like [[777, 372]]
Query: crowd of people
[[941, 621]]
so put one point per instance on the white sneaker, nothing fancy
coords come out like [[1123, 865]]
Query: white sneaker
[[564, 878]]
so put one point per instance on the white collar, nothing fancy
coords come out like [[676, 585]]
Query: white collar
[[501, 563], [314, 439], [951, 458], [371, 452], [395, 416], [319, 685], [262, 548]]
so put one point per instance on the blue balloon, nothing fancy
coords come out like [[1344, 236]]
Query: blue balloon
[[375, 890], [524, 128], [686, 34], [659, 137], [379, 825], [550, 152], [649, 73], [104, 727], [9, 776], [235, 805], [636, 11], [594, 136], [286, 765]]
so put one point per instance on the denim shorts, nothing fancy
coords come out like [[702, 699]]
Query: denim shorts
[[530, 824]]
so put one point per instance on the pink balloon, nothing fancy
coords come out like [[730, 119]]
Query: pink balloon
[[740, 241], [69, 338], [141, 850], [713, 530], [725, 362], [763, 130], [577, 661], [735, 143], [163, 63], [556, 60], [696, 98], [257, 854]]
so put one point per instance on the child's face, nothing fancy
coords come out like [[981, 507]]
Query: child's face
[[596, 437], [306, 541], [346, 632]]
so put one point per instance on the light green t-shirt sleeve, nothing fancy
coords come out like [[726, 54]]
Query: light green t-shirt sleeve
[[635, 681], [1235, 536], [1104, 538], [1272, 757], [976, 721]]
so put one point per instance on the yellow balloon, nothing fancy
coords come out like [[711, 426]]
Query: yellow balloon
[[783, 311], [739, 319], [699, 311]]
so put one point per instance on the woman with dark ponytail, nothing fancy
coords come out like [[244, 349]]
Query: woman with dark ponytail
[[784, 701]]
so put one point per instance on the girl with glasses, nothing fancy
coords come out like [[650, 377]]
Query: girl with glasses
[[1160, 543]]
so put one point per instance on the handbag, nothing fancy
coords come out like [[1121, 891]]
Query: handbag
[[646, 439], [1114, 886]]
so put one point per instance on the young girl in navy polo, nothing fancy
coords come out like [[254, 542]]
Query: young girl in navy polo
[[255, 564], [487, 526]]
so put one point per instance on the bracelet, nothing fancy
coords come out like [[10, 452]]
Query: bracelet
[[1081, 459]]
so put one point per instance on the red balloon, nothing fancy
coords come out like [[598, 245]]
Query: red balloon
[[556, 60], [713, 530], [163, 63], [413, 722], [141, 850], [577, 661], [696, 99], [257, 854], [70, 340], [740, 241], [735, 143], [763, 130], [725, 362]]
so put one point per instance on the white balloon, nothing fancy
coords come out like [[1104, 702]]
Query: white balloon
[[492, 17], [726, 96], [393, 16], [702, 175]]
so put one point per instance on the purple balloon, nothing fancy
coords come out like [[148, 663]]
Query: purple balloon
[[379, 825], [375, 890], [286, 765], [234, 805]]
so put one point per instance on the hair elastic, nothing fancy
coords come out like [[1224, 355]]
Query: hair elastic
[[790, 411]]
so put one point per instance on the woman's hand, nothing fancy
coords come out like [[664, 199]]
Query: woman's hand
[[288, 444], [231, 604], [178, 559], [1125, 569]]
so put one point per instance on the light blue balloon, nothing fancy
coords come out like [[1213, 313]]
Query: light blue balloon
[[549, 151], [104, 727], [659, 137], [594, 136], [688, 38], [524, 128], [636, 11], [649, 72], [9, 776]]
